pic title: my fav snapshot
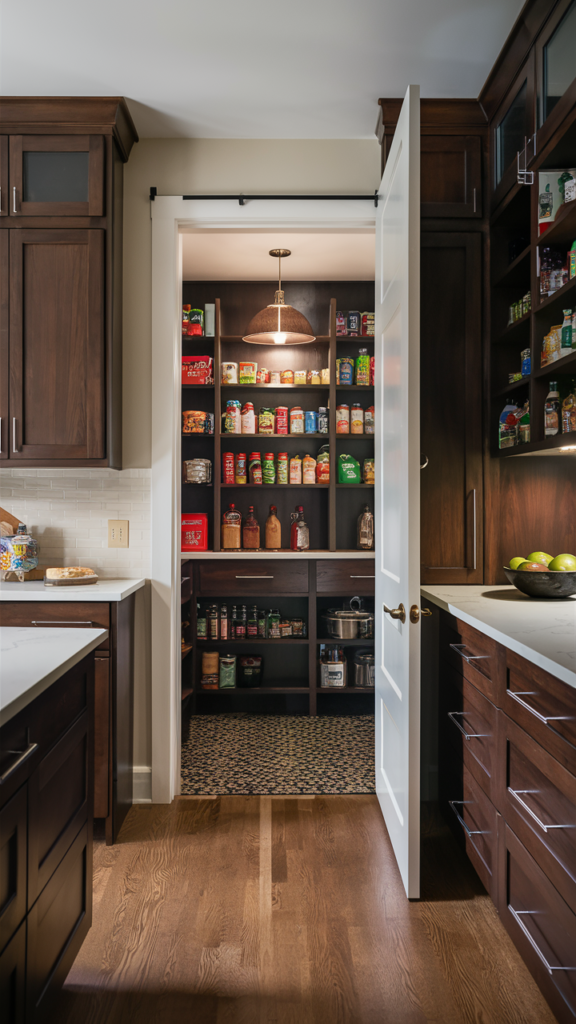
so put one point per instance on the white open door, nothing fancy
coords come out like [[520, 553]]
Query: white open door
[[397, 496]]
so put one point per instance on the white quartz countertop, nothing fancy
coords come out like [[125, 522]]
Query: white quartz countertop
[[32, 658], [104, 590], [239, 556], [543, 632]]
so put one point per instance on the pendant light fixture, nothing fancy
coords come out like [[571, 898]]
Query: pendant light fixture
[[279, 324]]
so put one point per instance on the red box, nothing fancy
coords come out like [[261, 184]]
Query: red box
[[194, 531], [197, 370]]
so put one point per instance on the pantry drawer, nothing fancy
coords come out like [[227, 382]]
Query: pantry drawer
[[470, 726], [479, 821], [347, 577], [537, 796], [481, 660], [541, 925], [87, 615], [544, 706], [254, 578]]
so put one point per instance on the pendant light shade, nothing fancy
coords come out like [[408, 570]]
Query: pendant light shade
[[279, 324]]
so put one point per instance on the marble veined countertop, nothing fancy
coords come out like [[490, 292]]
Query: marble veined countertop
[[32, 658], [542, 631], [104, 590]]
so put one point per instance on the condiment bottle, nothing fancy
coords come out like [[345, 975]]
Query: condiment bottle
[[269, 468], [552, 411], [356, 419], [251, 531], [255, 468], [295, 470], [248, 418], [569, 409], [212, 621], [299, 532], [252, 624], [231, 530], [282, 468], [365, 530], [308, 470], [363, 367], [273, 536], [240, 471], [224, 622]]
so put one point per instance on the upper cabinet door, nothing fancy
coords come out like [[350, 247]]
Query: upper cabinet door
[[451, 176], [556, 69], [56, 176], [4, 360], [57, 366], [513, 138], [3, 175]]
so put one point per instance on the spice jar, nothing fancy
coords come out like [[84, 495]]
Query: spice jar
[[297, 420], [282, 468], [255, 468], [240, 472], [342, 419], [356, 419], [248, 418]]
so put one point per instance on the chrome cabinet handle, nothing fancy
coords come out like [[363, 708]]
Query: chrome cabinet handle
[[23, 755], [466, 735], [474, 532], [515, 793], [254, 577], [425, 463], [396, 613], [474, 196], [460, 648], [362, 577], [14, 445], [516, 914], [14, 209], [60, 622], [541, 718], [469, 831]]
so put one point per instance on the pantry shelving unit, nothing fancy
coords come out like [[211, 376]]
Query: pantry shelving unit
[[516, 218], [331, 510]]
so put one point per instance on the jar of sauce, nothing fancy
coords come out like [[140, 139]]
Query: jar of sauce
[[342, 419], [297, 420]]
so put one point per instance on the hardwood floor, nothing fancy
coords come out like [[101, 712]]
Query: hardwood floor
[[273, 910]]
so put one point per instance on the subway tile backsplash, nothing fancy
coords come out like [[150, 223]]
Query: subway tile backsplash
[[68, 510]]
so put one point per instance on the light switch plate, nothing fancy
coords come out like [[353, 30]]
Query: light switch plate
[[118, 534]]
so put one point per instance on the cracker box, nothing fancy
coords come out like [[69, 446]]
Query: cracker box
[[247, 373], [194, 531], [197, 370]]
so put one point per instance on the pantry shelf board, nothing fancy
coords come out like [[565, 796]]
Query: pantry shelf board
[[263, 437], [517, 271], [253, 641], [360, 338], [186, 650], [199, 387], [544, 445], [354, 387], [350, 487], [515, 386], [557, 297], [187, 692], [191, 483], [195, 434], [285, 553], [275, 387], [344, 643], [264, 487], [565, 364], [354, 437], [345, 689], [515, 330], [563, 229], [249, 690], [198, 337]]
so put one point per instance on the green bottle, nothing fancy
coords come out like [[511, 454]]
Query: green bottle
[[566, 340]]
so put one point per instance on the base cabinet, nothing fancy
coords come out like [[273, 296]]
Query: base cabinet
[[507, 781], [13, 978]]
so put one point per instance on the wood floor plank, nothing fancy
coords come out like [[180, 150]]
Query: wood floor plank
[[260, 910]]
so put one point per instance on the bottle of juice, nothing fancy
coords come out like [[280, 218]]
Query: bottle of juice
[[552, 411], [569, 409], [273, 530]]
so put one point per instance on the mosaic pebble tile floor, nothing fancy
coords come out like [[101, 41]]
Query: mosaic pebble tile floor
[[278, 755]]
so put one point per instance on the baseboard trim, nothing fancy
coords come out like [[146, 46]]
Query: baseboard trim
[[142, 784]]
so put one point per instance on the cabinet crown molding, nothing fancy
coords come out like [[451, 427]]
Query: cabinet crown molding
[[97, 115]]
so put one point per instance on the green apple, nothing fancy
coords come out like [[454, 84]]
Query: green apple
[[540, 556], [563, 563], [533, 567], [516, 562]]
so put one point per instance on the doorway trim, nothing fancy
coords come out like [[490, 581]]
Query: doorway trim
[[171, 217]]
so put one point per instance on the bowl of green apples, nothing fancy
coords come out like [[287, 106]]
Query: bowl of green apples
[[543, 575]]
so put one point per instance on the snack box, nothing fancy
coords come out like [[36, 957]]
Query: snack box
[[247, 373], [194, 531], [197, 370]]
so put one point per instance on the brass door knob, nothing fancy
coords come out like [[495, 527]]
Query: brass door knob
[[396, 613], [415, 613]]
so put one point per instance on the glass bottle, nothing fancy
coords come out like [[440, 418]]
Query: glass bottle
[[224, 622], [552, 411], [252, 622], [251, 531], [365, 529], [200, 623], [299, 532], [569, 409], [273, 534], [231, 531], [241, 623], [212, 622], [262, 625], [232, 626]]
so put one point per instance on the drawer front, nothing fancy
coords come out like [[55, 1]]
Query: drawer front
[[258, 577], [13, 840], [95, 615], [347, 577], [470, 727], [57, 925], [13, 978], [475, 656], [544, 706], [537, 796], [541, 925], [478, 819], [60, 803]]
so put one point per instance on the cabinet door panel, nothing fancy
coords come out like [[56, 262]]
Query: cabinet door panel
[[101, 737], [479, 821], [13, 978], [253, 577], [57, 344], [57, 175], [543, 706], [451, 409], [451, 176], [4, 343], [4, 196], [345, 577], [13, 840]]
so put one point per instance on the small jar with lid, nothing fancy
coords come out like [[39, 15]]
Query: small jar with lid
[[356, 419], [342, 419], [248, 418], [297, 420], [369, 420], [255, 468]]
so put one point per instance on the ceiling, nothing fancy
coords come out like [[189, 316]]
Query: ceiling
[[258, 69], [243, 256]]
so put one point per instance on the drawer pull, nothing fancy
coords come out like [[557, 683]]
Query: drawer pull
[[57, 622], [23, 755], [515, 793], [466, 735], [517, 915], [468, 831], [460, 648], [259, 577], [542, 718], [362, 577]]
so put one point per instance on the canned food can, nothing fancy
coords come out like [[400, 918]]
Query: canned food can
[[343, 419], [297, 420], [282, 468], [240, 473], [281, 419], [228, 468]]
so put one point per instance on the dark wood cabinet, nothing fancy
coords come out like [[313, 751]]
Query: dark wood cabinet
[[57, 361], [451, 176], [13, 978], [13, 847], [61, 166]]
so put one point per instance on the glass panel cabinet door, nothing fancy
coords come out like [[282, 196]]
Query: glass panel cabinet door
[[56, 176], [511, 133], [558, 62]]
